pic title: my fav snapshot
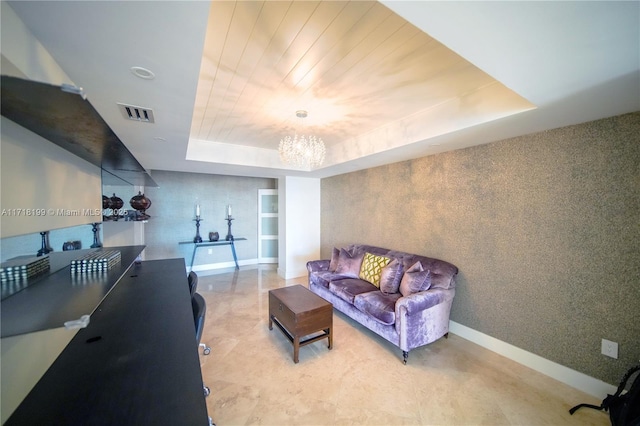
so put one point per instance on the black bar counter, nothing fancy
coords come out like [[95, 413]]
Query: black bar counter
[[136, 363], [60, 296]]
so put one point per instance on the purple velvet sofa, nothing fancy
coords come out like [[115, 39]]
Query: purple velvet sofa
[[403, 297]]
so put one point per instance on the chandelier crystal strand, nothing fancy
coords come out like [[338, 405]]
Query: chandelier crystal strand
[[302, 151]]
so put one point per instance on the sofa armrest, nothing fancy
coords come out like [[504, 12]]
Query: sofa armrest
[[423, 317], [318, 265], [421, 301]]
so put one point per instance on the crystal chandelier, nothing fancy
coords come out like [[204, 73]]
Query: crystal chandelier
[[302, 151]]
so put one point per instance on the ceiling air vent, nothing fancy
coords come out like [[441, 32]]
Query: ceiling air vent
[[136, 113]]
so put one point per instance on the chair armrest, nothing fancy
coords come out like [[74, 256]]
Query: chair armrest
[[318, 265]]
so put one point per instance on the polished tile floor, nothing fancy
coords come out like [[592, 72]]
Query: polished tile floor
[[362, 380]]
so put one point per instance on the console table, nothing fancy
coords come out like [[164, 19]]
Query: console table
[[135, 363], [196, 246]]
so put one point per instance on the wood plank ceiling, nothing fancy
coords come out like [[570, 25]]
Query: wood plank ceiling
[[354, 66]]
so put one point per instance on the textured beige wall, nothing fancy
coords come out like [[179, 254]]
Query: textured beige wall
[[545, 229]]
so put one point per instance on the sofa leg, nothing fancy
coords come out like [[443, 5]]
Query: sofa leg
[[405, 355], [446, 336]]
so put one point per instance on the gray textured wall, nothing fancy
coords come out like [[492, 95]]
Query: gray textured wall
[[545, 229], [173, 208]]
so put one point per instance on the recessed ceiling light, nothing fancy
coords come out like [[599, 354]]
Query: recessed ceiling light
[[143, 73]]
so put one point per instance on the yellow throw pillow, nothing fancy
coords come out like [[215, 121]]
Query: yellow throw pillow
[[372, 268]]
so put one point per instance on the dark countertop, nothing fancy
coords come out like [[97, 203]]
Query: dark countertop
[[136, 363], [57, 297]]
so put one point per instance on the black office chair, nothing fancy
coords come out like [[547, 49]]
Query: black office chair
[[199, 312], [193, 282]]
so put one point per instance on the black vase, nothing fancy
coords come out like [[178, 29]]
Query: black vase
[[140, 202], [116, 205], [71, 245], [213, 236]]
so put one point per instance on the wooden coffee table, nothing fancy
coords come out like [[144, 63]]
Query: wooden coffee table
[[298, 312]]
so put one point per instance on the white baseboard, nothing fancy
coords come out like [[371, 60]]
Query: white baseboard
[[294, 273], [288, 274], [566, 375], [222, 265]]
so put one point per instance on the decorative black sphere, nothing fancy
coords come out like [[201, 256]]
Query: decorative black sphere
[[106, 202], [140, 202]]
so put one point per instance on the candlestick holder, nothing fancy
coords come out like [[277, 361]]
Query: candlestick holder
[[229, 235], [197, 238], [96, 240], [45, 245]]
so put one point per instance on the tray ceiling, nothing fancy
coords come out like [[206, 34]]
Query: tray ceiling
[[382, 81], [354, 66]]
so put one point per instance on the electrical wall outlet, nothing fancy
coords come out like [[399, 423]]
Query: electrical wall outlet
[[210, 251], [609, 348]]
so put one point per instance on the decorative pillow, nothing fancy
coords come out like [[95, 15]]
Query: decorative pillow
[[348, 264], [372, 267], [334, 259], [390, 277], [415, 279]]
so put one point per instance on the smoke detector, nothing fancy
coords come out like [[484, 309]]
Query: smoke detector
[[136, 113]]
